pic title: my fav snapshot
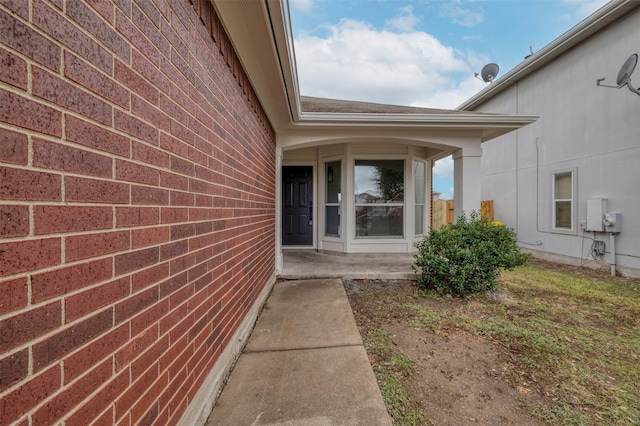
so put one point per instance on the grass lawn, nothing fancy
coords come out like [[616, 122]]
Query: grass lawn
[[572, 336]]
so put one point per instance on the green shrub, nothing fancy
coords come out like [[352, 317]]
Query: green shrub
[[466, 257]]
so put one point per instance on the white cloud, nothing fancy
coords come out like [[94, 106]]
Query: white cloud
[[305, 6], [460, 15], [585, 8], [443, 168], [405, 20], [355, 61]]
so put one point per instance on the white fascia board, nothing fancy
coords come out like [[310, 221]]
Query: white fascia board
[[415, 120]]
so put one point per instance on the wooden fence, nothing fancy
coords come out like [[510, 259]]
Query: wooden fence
[[442, 212]]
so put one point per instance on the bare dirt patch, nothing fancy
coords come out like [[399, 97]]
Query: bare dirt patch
[[459, 378], [556, 344]]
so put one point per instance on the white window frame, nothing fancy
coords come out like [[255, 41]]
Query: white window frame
[[403, 204], [573, 174]]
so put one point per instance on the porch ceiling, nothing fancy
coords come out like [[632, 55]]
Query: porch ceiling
[[261, 34]]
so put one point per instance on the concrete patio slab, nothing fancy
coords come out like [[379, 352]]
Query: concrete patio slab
[[305, 264]]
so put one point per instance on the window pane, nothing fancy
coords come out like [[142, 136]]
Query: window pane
[[379, 181], [420, 181], [563, 186], [332, 220], [332, 178], [563, 214], [379, 221], [419, 219]]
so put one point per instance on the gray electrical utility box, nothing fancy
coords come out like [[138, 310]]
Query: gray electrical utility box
[[612, 222], [596, 208]]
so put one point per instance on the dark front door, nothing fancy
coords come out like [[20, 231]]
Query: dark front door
[[297, 205]]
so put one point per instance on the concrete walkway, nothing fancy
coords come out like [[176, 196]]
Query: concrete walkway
[[304, 364]]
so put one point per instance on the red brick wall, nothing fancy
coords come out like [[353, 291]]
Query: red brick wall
[[137, 208]]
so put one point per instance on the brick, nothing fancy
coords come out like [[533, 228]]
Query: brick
[[149, 196], [28, 42], [14, 147], [183, 231], [172, 250], [30, 114], [136, 303], [137, 216], [123, 5], [18, 7], [137, 38], [174, 214], [93, 136], [178, 198], [56, 156], [148, 319], [106, 10], [149, 276], [145, 410], [150, 71], [136, 127], [181, 263], [150, 155], [173, 180], [13, 69], [145, 26], [53, 219], [173, 284], [101, 30], [95, 80], [174, 110], [134, 348], [14, 368], [139, 259], [132, 394], [149, 113], [128, 78], [98, 403], [13, 295], [14, 221], [70, 339], [24, 256], [134, 172], [93, 245], [95, 298], [54, 89], [28, 325], [102, 348], [95, 191], [65, 32], [185, 167], [28, 395], [149, 236], [64, 280], [72, 395]]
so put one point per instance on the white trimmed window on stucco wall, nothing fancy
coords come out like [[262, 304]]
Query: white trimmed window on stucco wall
[[563, 200]]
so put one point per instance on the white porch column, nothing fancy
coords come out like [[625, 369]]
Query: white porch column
[[279, 257], [466, 180]]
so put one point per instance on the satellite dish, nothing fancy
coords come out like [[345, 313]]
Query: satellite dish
[[624, 75], [489, 72]]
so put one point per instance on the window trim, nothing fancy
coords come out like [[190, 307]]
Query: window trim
[[402, 204], [573, 173], [415, 201]]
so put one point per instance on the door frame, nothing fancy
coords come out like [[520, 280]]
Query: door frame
[[314, 197]]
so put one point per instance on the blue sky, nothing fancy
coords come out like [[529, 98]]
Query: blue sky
[[420, 52]]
